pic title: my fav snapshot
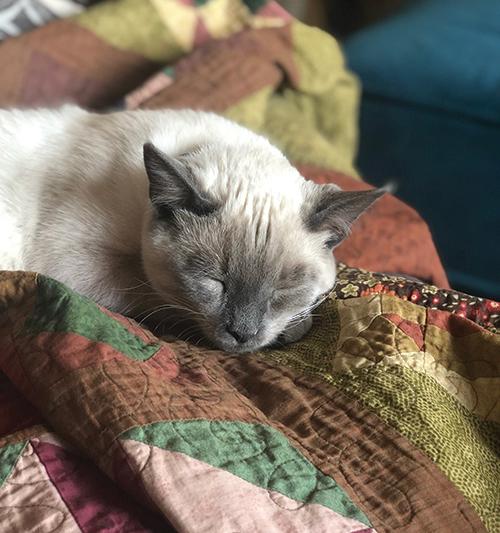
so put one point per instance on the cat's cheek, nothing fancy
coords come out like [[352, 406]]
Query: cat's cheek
[[296, 332], [270, 334]]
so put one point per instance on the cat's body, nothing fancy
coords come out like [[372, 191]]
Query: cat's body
[[71, 181], [209, 213]]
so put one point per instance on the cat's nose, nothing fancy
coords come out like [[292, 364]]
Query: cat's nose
[[241, 335]]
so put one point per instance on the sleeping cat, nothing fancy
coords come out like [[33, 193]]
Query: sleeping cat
[[163, 214]]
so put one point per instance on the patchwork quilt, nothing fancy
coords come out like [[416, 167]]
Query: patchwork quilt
[[270, 73], [384, 417]]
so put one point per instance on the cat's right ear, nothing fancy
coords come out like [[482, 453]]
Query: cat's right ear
[[331, 210], [172, 185]]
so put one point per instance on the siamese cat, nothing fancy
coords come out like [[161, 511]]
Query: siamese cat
[[171, 215]]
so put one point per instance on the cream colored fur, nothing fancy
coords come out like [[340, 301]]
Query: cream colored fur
[[73, 189]]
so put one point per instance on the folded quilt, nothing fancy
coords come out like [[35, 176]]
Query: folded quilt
[[280, 77], [384, 417], [98, 55], [288, 83]]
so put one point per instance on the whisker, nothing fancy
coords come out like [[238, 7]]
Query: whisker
[[307, 312], [153, 312], [140, 284]]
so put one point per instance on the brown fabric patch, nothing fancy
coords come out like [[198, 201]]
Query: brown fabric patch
[[63, 62]]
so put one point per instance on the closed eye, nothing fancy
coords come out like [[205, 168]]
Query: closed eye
[[283, 291], [330, 243], [215, 284], [289, 293]]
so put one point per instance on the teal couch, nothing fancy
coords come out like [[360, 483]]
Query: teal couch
[[430, 120]]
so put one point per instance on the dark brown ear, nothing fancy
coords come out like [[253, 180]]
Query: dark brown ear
[[334, 211], [172, 185]]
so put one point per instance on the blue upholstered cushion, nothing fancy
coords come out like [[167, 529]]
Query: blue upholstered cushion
[[440, 53], [430, 119]]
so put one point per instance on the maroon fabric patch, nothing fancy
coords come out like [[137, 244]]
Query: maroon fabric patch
[[95, 503], [411, 329]]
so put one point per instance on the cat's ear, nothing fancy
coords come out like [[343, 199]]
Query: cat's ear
[[172, 185], [334, 211]]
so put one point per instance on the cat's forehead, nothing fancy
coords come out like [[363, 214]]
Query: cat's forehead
[[245, 256], [248, 176], [261, 269], [270, 253], [268, 225]]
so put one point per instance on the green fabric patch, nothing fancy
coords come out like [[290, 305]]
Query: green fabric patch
[[466, 448], [251, 110], [60, 310], [256, 453], [133, 25], [8, 457]]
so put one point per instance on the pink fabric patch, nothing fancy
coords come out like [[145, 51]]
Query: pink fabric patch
[[30, 502], [149, 88], [54, 354], [196, 496], [164, 363], [95, 503], [201, 34], [129, 480]]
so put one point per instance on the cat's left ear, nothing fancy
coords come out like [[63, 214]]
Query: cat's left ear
[[334, 211], [172, 185]]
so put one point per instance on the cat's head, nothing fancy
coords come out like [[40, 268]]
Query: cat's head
[[251, 253]]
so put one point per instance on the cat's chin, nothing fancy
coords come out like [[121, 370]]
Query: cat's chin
[[290, 334], [238, 348], [227, 344]]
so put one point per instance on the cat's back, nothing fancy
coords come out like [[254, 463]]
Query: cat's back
[[29, 133], [28, 139], [52, 162], [29, 142]]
